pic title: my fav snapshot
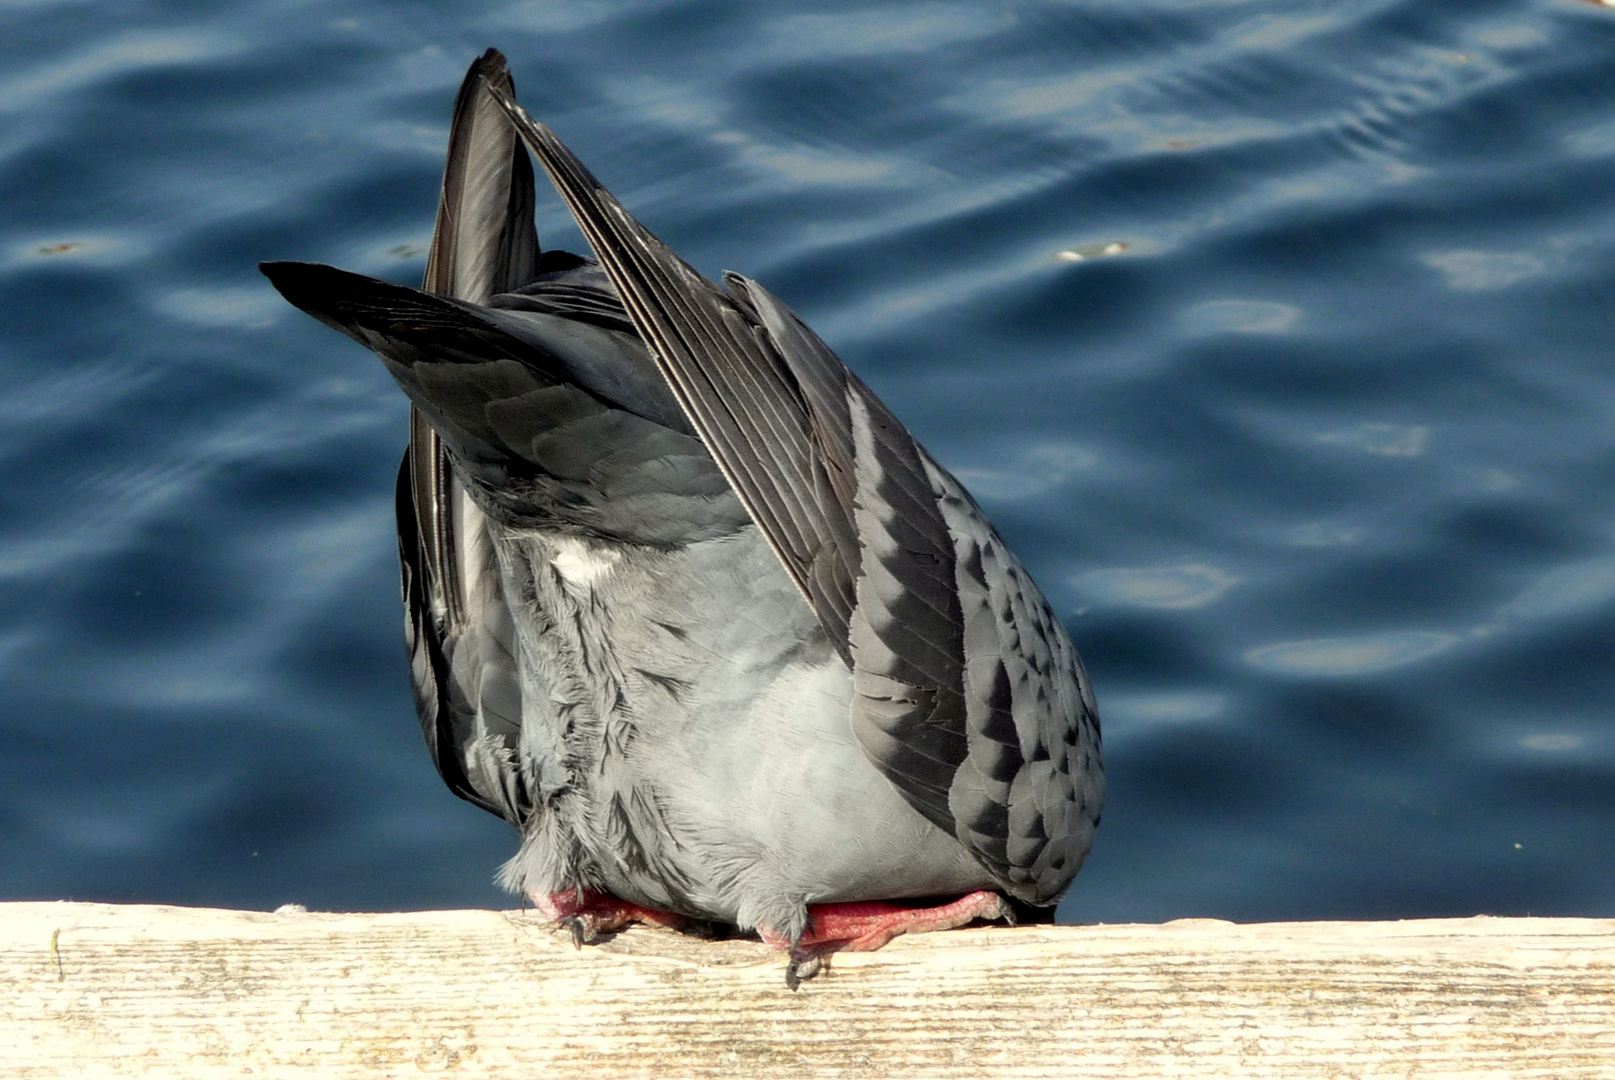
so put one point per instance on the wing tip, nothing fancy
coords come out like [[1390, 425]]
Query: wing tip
[[491, 68], [536, 133], [293, 280]]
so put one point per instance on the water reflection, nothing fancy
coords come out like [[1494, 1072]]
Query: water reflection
[[102, 60], [907, 28], [244, 306], [1564, 590], [1325, 534], [1192, 585], [1036, 472], [74, 249], [1484, 271], [1360, 655], [1091, 251], [1386, 440], [1128, 714], [807, 165], [1552, 742], [1242, 316]]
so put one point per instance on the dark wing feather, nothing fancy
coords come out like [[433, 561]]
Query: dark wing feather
[[967, 693], [458, 631], [728, 376], [539, 441], [483, 242]]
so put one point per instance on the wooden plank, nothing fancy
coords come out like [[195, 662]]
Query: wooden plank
[[92, 989]]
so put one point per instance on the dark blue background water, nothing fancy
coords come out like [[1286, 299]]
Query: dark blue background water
[[1278, 337]]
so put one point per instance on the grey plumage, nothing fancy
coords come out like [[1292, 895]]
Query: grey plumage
[[686, 603]]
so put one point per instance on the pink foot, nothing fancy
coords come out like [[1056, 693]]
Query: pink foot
[[866, 926], [590, 914]]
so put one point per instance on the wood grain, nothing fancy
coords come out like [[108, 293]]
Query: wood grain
[[161, 991]]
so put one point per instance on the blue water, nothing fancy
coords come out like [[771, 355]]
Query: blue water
[[1278, 338]]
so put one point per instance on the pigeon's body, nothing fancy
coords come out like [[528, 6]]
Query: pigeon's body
[[699, 617], [702, 764]]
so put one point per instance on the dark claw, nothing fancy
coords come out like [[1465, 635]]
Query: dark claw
[[799, 968], [580, 932]]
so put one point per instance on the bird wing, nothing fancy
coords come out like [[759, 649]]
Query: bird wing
[[458, 627], [730, 380], [967, 693]]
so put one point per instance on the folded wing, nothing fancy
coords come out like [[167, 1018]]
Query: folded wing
[[457, 626]]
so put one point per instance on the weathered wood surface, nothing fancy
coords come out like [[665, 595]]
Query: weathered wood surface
[[99, 990]]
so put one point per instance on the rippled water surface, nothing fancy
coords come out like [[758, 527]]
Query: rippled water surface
[[1278, 338]]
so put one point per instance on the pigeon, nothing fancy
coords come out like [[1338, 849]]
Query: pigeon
[[687, 604]]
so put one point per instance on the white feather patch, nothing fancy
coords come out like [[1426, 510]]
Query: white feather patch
[[581, 565]]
